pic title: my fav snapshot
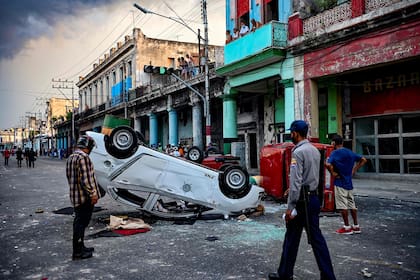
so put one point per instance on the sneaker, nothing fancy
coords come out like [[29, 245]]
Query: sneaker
[[344, 230], [356, 229]]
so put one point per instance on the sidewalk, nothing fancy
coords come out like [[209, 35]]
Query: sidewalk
[[387, 188]]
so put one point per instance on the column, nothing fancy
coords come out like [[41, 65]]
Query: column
[[137, 123], [289, 102], [153, 126], [230, 123], [197, 125], [173, 127]]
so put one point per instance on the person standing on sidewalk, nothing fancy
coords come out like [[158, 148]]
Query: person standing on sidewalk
[[303, 197], [32, 158], [341, 164], [84, 193], [6, 155], [19, 157]]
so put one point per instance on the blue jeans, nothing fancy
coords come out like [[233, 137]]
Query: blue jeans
[[292, 240]]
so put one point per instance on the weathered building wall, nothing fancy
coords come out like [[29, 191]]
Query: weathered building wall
[[165, 53], [399, 42]]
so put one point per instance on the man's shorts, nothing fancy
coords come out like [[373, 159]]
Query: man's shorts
[[344, 199]]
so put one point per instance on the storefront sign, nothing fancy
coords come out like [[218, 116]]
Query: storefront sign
[[391, 82]]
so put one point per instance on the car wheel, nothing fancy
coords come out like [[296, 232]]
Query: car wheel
[[195, 154], [234, 182], [224, 166], [122, 143]]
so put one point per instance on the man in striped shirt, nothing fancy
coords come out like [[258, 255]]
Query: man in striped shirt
[[84, 193]]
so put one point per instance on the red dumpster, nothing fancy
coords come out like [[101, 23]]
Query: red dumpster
[[275, 165]]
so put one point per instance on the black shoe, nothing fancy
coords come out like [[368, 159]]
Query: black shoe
[[88, 249], [82, 255], [273, 276]]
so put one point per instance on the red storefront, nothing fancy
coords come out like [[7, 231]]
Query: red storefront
[[376, 77]]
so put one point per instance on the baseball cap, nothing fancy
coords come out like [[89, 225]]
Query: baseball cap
[[85, 142], [299, 125]]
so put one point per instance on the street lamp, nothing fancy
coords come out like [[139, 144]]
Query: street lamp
[[206, 58]]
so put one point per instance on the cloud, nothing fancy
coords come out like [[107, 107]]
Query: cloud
[[24, 20]]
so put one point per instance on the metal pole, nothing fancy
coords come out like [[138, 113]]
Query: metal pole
[[72, 117], [206, 73]]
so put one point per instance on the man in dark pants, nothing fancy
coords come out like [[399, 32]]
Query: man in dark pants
[[304, 175], [84, 193]]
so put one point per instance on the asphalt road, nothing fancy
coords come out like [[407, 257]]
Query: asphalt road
[[36, 243]]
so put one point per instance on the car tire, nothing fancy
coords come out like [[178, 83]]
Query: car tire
[[195, 154], [122, 143], [224, 166], [234, 182]]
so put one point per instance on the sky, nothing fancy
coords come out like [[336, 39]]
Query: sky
[[61, 39]]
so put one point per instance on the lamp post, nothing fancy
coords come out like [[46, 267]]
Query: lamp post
[[206, 64]]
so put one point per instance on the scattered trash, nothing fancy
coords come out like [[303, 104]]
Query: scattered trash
[[365, 273], [399, 263], [122, 226], [212, 238], [242, 217], [116, 222], [39, 211], [259, 211]]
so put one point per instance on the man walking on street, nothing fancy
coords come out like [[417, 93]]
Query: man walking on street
[[341, 165], [303, 207], [84, 193], [6, 155]]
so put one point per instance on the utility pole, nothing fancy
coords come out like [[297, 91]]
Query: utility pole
[[206, 72], [65, 84]]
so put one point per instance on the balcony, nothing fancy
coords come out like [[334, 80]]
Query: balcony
[[256, 49], [345, 15]]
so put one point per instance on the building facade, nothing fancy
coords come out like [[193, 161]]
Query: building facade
[[134, 81], [258, 98], [356, 65]]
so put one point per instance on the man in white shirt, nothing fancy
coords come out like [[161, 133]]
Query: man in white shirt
[[244, 29]]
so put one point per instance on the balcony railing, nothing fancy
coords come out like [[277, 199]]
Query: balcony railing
[[317, 24], [270, 35]]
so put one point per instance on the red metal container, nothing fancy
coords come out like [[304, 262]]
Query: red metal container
[[275, 166]]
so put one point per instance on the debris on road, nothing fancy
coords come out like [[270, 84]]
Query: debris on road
[[365, 273]]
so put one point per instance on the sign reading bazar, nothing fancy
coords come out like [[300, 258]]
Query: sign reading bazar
[[391, 82]]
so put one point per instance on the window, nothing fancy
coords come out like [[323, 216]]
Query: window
[[129, 69], [388, 146], [391, 144], [387, 126], [270, 11], [107, 88], [411, 124]]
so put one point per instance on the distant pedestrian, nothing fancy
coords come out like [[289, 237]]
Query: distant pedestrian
[[6, 155], [190, 66], [19, 157], [31, 158], [26, 155], [303, 198], [84, 193], [341, 165]]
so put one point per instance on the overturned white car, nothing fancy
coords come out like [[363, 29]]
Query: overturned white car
[[167, 186]]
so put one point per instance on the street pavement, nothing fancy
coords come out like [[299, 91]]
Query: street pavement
[[36, 243]]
